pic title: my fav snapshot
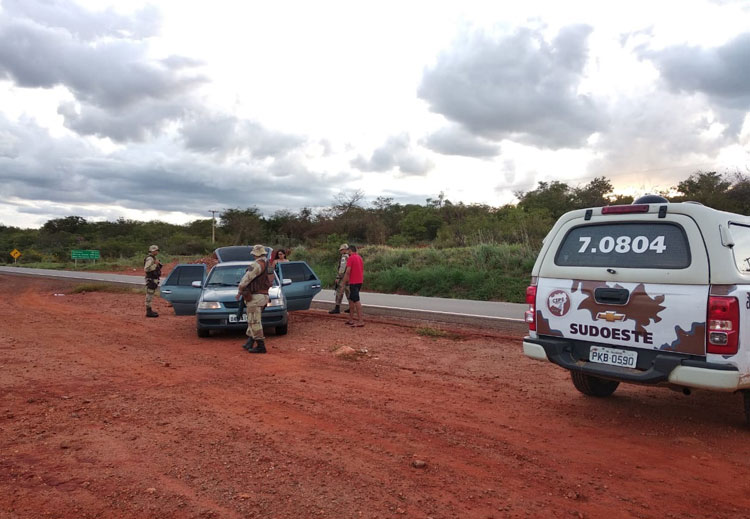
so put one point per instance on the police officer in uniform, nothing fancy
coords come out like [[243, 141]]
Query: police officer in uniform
[[341, 288], [152, 268], [253, 288]]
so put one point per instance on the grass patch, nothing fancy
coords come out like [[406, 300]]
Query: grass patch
[[106, 287], [428, 331], [437, 333]]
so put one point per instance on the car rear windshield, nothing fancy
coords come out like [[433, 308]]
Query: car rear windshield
[[228, 275], [235, 253], [741, 249], [625, 245]]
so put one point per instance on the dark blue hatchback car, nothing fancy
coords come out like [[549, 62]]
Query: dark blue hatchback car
[[211, 296]]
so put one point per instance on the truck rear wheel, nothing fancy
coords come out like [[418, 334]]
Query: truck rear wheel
[[595, 386]]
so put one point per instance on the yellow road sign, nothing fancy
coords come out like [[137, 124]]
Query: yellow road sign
[[15, 253]]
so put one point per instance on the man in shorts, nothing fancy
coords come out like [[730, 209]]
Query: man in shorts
[[353, 277]]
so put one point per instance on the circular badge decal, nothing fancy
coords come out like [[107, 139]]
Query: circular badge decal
[[558, 303]]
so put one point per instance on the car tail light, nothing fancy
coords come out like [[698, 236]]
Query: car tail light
[[530, 314], [722, 325], [625, 209]]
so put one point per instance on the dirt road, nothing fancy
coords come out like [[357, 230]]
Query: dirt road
[[104, 413]]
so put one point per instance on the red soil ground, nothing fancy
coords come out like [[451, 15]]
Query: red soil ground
[[104, 413]]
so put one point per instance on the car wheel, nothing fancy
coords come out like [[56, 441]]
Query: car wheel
[[203, 332], [593, 386], [281, 330], [746, 404]]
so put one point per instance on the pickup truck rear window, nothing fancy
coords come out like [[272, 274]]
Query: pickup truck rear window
[[625, 245], [741, 249]]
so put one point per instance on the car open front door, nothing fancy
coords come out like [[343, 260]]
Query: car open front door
[[178, 288], [305, 284]]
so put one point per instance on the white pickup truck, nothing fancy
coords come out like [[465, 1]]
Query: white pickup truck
[[649, 293]]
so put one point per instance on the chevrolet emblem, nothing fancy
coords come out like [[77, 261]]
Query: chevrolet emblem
[[610, 316]]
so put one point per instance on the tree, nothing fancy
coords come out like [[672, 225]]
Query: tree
[[347, 202], [708, 188], [555, 197], [69, 224], [593, 194], [421, 223], [739, 194], [243, 226]]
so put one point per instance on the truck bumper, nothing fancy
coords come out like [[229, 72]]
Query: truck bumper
[[654, 366]]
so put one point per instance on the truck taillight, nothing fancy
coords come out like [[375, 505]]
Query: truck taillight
[[530, 314], [722, 325]]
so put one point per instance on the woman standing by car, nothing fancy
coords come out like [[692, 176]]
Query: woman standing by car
[[279, 256]]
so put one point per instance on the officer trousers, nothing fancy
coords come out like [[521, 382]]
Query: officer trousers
[[341, 291], [255, 306], [149, 296]]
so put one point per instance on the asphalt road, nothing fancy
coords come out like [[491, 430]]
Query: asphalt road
[[490, 314]]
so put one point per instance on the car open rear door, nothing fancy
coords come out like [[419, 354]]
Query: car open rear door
[[178, 288], [305, 284]]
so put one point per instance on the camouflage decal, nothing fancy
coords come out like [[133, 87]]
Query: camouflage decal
[[654, 316], [543, 327], [692, 342], [640, 308]]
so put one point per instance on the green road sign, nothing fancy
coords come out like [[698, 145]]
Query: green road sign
[[77, 254]]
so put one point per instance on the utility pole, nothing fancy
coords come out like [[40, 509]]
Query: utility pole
[[213, 224]]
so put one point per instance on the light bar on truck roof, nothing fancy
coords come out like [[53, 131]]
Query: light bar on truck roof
[[625, 209]]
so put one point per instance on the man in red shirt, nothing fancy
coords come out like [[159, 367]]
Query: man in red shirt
[[354, 276]]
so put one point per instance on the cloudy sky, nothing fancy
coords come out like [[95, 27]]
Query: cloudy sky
[[166, 110]]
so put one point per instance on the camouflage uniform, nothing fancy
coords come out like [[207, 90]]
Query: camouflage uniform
[[152, 270], [254, 302], [342, 289]]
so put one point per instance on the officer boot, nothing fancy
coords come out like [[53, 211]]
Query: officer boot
[[151, 313], [249, 344], [335, 310], [260, 348]]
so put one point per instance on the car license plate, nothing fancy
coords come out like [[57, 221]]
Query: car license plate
[[233, 318], [613, 356]]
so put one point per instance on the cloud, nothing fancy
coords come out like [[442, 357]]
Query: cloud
[[108, 73], [225, 134], [517, 87], [134, 123], [454, 140], [720, 73], [85, 24], [657, 140], [66, 171], [396, 153]]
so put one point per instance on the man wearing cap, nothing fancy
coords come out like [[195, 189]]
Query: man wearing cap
[[253, 288], [152, 268], [340, 287]]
